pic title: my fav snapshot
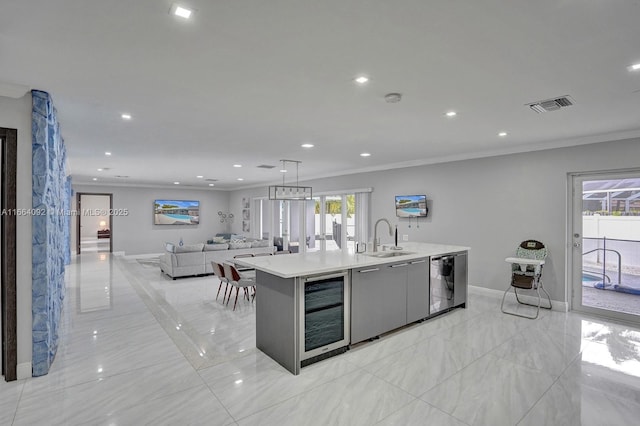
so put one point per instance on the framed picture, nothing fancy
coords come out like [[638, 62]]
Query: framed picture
[[246, 214], [176, 212], [245, 226], [246, 203]]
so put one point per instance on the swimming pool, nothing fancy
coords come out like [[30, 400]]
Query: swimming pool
[[590, 277], [179, 216]]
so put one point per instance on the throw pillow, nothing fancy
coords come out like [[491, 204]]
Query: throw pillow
[[239, 245], [170, 247], [219, 240], [260, 243], [216, 247]]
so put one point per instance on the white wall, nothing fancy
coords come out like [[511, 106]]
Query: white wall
[[135, 233], [617, 227], [16, 114], [91, 223], [489, 204]]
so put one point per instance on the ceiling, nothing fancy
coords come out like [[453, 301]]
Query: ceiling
[[248, 81]]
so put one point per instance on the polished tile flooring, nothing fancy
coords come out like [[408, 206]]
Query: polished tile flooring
[[137, 348]]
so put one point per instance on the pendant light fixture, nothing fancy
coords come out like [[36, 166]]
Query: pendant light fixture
[[290, 192]]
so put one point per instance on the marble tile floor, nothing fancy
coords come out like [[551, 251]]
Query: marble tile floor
[[139, 348]]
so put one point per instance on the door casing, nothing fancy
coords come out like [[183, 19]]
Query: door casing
[[8, 299], [79, 217]]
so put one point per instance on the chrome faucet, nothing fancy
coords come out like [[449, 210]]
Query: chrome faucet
[[375, 233]]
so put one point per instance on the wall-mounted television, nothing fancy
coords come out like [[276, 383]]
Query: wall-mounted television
[[411, 206], [176, 212]]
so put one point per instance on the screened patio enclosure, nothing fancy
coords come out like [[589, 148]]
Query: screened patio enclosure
[[611, 197]]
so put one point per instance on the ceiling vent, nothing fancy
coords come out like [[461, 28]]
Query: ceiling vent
[[211, 180], [265, 166], [551, 104]]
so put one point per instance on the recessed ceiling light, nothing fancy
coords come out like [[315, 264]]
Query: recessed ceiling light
[[200, 177], [176, 183], [237, 165], [95, 178], [361, 79], [283, 171], [451, 114], [211, 184], [126, 116], [634, 67], [99, 170], [108, 154], [180, 11], [365, 154], [502, 134], [240, 179], [307, 145]]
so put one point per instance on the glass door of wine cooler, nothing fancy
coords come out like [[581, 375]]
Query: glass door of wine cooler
[[325, 314]]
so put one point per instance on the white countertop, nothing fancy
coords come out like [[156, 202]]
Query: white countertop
[[312, 263]]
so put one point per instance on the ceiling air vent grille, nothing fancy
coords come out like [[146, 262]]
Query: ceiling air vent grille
[[265, 166], [211, 180], [551, 104]]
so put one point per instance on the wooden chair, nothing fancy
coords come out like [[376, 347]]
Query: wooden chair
[[218, 271], [238, 281]]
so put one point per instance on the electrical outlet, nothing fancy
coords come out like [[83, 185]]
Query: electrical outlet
[[405, 237]]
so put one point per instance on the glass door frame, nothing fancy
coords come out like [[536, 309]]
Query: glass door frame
[[573, 289]]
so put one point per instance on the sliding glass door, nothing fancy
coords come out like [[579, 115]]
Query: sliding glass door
[[327, 222]]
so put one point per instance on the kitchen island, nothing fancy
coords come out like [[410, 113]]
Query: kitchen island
[[314, 305]]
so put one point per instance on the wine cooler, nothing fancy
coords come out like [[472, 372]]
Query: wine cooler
[[324, 316]]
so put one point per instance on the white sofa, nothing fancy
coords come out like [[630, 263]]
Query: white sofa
[[195, 259]]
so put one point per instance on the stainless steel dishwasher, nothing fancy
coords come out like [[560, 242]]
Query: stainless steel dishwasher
[[448, 283]]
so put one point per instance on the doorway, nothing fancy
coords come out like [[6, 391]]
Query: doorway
[[605, 235], [8, 299], [94, 226]]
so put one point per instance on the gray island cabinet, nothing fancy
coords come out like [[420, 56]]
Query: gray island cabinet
[[386, 297], [310, 306]]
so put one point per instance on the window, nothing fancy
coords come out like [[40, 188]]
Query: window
[[331, 221]]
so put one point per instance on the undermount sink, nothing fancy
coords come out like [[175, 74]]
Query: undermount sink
[[388, 253]]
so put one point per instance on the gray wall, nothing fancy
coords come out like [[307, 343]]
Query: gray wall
[[135, 233], [16, 114], [489, 204]]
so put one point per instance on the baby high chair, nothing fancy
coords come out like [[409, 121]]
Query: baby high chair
[[526, 273]]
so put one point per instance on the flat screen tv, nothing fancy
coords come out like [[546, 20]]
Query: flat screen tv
[[176, 212], [411, 206]]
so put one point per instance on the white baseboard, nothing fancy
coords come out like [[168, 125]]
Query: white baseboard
[[24, 370], [142, 256], [556, 305]]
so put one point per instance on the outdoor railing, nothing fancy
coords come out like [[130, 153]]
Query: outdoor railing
[[616, 257], [604, 264]]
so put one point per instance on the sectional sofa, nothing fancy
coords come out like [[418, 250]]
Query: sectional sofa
[[195, 259]]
